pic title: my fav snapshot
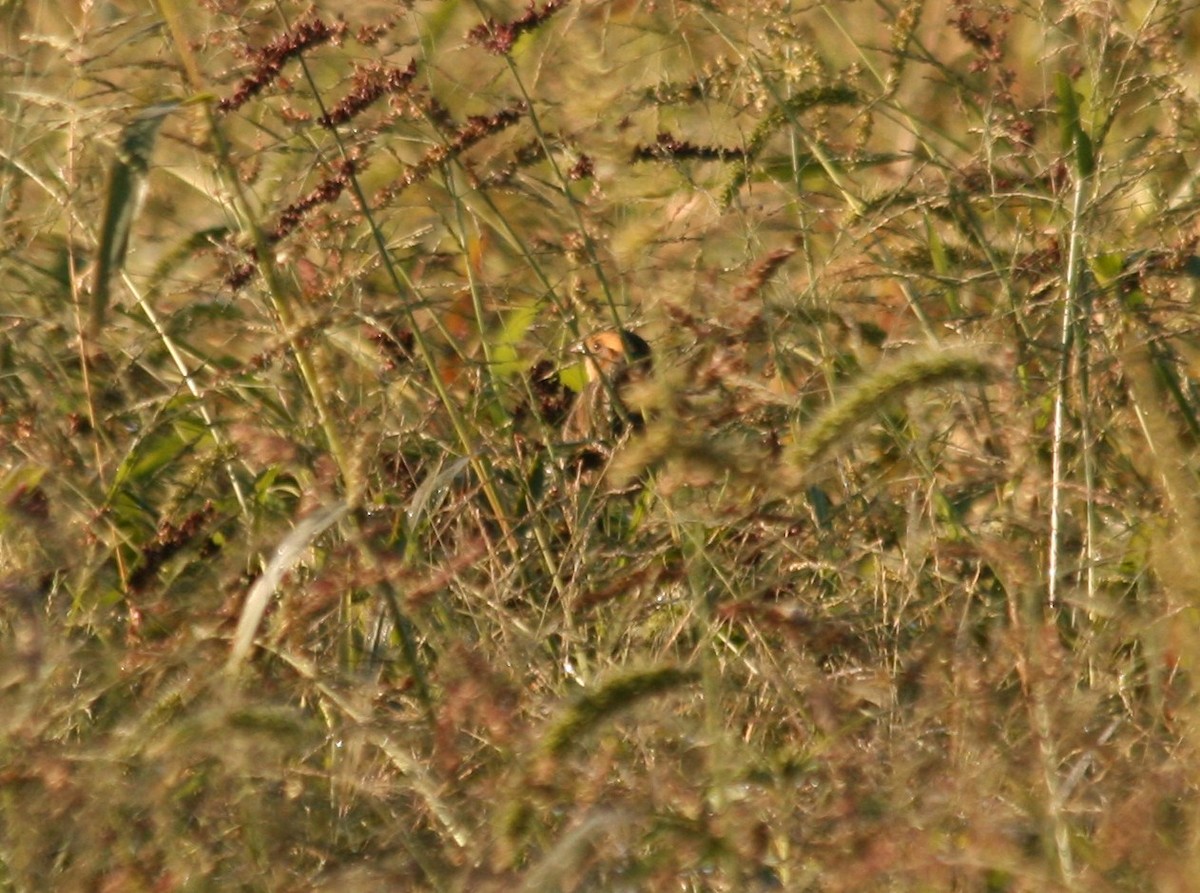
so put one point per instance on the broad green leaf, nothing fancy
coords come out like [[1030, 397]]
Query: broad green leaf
[[574, 377], [160, 448], [504, 352], [1072, 136], [1107, 268]]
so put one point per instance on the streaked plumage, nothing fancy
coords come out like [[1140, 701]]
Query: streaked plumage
[[614, 359]]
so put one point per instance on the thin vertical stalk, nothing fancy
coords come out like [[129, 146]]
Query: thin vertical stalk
[[1067, 356], [280, 302]]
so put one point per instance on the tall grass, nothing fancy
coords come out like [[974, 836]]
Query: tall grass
[[304, 585]]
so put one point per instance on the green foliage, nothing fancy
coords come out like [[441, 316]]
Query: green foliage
[[880, 574], [122, 200], [1073, 137]]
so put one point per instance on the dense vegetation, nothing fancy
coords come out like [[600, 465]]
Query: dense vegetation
[[308, 581]]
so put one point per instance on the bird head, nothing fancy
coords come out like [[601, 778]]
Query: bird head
[[608, 351]]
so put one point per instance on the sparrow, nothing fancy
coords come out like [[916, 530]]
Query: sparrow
[[614, 359]]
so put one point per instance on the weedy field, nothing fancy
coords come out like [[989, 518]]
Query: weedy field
[[347, 544]]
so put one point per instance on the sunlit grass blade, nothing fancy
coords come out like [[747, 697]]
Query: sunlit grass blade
[[1071, 132], [123, 198], [285, 557]]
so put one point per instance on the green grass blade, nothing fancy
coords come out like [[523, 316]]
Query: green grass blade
[[123, 198]]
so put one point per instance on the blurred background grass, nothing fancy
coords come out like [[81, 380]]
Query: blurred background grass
[[304, 585]]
